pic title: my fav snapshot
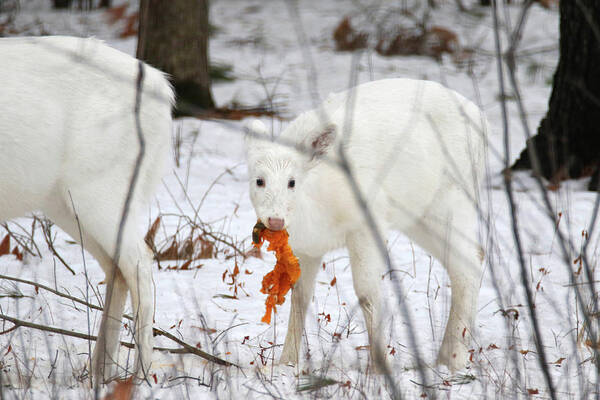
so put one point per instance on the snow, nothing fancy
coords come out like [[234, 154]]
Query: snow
[[260, 40]]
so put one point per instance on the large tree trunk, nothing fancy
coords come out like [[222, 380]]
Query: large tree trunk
[[567, 143], [173, 36]]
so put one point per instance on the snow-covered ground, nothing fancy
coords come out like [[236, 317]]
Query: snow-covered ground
[[260, 40]]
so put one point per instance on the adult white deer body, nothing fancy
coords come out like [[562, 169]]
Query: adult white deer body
[[68, 148], [416, 152]]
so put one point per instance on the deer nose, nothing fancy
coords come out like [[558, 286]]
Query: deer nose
[[275, 224]]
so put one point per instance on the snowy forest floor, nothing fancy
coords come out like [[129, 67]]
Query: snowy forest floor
[[209, 306]]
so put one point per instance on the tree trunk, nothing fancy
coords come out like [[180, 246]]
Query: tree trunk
[[173, 36], [61, 3], [567, 143]]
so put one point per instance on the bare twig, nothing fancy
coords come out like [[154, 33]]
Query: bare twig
[[47, 231]]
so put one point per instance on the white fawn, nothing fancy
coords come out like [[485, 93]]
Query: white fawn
[[416, 152]]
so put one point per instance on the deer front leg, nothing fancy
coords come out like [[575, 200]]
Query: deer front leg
[[301, 295]]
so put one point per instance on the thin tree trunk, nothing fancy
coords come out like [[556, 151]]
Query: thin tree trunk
[[173, 36], [567, 143]]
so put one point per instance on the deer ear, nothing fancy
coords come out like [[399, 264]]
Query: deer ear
[[255, 132], [320, 142]]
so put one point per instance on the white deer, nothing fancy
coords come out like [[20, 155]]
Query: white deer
[[68, 148], [416, 152]]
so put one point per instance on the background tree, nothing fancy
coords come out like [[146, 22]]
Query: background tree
[[567, 143], [173, 36]]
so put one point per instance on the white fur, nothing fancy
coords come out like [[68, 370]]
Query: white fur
[[67, 131], [415, 149]]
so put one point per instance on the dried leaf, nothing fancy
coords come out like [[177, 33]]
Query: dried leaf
[[5, 246], [207, 248], [17, 253], [225, 296], [123, 390], [185, 265], [333, 281], [170, 254], [207, 330], [533, 391], [559, 361], [149, 238]]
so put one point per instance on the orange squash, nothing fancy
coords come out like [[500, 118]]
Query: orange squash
[[278, 282]]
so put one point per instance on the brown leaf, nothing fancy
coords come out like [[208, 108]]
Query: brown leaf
[[5, 245], [207, 330], [533, 391], [149, 238], [169, 254], [207, 248], [17, 253], [559, 361], [333, 281], [123, 390], [114, 14], [186, 265]]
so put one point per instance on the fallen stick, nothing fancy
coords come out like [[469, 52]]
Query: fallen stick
[[186, 347]]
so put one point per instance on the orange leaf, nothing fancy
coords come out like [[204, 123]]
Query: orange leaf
[[286, 272], [333, 281]]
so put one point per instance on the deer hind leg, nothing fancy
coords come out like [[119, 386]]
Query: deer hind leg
[[105, 359], [105, 356], [368, 265], [99, 214], [449, 234]]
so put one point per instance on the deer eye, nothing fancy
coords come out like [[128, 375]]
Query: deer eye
[[292, 183], [260, 182]]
